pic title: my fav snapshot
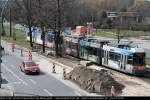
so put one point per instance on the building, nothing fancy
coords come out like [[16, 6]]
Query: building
[[128, 17]]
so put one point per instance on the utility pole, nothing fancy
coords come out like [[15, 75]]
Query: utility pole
[[0, 52], [0, 40], [10, 19], [59, 28], [57, 34], [14, 34], [118, 34]]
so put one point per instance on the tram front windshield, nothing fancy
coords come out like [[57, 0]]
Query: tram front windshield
[[139, 59]]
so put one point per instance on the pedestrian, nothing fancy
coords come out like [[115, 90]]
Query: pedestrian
[[21, 52], [113, 91], [53, 70]]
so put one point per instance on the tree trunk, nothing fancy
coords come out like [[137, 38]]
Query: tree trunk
[[59, 28], [3, 30], [56, 44], [14, 34], [30, 32], [43, 38], [118, 35], [29, 21]]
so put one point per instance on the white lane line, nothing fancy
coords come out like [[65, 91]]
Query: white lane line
[[16, 83], [50, 94], [78, 94], [33, 81], [15, 75]]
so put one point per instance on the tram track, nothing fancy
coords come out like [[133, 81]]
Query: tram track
[[73, 62], [145, 77]]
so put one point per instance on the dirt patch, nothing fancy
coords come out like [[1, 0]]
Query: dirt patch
[[94, 80]]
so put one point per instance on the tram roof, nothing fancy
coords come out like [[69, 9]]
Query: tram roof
[[126, 51], [124, 45], [94, 40], [118, 50]]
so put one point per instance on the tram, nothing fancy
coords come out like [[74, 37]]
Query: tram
[[121, 57]]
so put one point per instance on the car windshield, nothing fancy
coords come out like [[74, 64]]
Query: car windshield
[[30, 64]]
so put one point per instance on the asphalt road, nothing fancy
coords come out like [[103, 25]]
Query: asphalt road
[[32, 85]]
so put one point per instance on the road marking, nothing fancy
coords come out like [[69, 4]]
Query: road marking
[[16, 83], [15, 75], [77, 93], [50, 94], [33, 81]]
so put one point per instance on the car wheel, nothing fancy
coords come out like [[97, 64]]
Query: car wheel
[[26, 73], [38, 73]]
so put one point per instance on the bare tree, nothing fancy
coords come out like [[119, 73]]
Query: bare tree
[[51, 16], [24, 14]]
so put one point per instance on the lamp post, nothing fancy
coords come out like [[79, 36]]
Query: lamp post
[[0, 39]]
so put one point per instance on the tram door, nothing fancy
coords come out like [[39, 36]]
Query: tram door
[[106, 54], [123, 62], [99, 53]]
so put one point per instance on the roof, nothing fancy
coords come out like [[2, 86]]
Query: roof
[[118, 14]]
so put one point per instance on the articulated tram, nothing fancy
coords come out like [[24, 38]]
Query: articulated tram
[[121, 57], [128, 59]]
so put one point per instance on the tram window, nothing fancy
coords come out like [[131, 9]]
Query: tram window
[[73, 46], [111, 55], [102, 53], [67, 44], [139, 59], [130, 60], [92, 51], [114, 56], [85, 50], [117, 57]]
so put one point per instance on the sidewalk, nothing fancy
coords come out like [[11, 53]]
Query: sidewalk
[[6, 92], [5, 89]]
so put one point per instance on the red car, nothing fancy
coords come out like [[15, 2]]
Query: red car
[[29, 67]]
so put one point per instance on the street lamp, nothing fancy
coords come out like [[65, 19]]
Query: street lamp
[[0, 39]]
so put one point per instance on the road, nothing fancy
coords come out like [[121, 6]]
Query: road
[[32, 85]]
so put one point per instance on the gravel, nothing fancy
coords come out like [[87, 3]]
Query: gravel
[[102, 80]]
